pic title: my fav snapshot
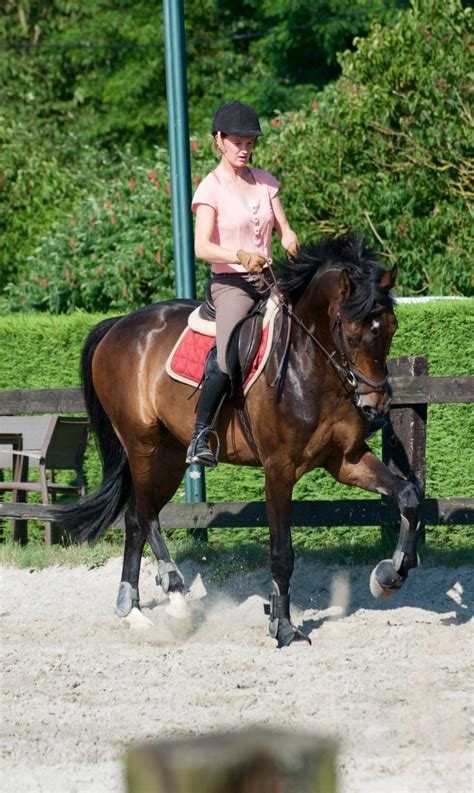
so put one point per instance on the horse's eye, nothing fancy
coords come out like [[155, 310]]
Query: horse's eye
[[353, 341]]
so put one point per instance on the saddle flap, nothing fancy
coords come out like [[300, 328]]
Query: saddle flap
[[249, 341]]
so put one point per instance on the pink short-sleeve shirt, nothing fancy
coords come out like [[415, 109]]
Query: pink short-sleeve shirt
[[239, 224]]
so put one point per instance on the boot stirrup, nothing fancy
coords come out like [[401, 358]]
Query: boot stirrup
[[193, 458]]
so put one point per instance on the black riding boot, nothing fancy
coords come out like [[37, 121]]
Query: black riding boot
[[213, 393]]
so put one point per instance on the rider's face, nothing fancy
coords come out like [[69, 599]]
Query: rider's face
[[238, 149]]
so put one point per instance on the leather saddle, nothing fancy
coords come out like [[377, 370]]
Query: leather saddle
[[245, 339]]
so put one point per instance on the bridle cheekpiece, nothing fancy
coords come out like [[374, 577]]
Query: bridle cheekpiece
[[349, 374]]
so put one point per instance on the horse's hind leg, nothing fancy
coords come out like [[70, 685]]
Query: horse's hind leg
[[156, 474], [135, 537], [365, 470]]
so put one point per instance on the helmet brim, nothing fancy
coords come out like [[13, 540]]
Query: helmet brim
[[251, 133]]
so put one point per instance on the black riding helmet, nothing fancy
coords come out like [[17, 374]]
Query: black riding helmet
[[236, 118]]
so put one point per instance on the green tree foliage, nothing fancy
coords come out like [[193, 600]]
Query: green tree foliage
[[43, 175], [100, 66], [388, 148], [293, 46], [115, 252], [81, 77], [384, 149]]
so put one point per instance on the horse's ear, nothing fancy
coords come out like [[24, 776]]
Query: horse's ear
[[346, 285], [388, 278]]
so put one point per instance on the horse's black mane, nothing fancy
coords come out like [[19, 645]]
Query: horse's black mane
[[349, 252]]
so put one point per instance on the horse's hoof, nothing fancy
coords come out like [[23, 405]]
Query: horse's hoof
[[289, 633], [127, 598], [384, 579], [137, 620]]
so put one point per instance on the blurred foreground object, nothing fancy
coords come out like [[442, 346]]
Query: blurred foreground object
[[252, 761]]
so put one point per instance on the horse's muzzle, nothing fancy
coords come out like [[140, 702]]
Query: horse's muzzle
[[374, 404]]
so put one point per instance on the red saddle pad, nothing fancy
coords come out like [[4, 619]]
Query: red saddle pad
[[187, 360]]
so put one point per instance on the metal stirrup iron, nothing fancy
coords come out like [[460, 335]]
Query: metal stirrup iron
[[195, 440]]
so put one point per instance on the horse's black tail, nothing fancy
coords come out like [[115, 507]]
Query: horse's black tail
[[91, 515]]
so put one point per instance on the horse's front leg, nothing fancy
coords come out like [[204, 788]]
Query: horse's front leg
[[366, 471], [278, 490]]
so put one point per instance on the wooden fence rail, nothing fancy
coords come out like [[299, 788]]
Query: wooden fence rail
[[242, 514], [407, 390], [403, 449]]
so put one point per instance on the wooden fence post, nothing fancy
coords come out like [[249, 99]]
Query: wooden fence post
[[404, 438], [258, 760]]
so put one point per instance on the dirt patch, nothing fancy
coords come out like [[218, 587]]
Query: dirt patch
[[391, 680]]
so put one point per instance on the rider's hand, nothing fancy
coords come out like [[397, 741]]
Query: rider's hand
[[253, 262], [293, 250]]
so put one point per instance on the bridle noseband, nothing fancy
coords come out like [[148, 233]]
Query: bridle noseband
[[350, 376]]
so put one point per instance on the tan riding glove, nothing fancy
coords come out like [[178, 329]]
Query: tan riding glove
[[293, 250], [253, 262]]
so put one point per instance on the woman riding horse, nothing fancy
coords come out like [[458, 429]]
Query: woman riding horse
[[336, 381], [236, 208]]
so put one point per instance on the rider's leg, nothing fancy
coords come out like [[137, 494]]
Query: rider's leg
[[214, 389], [232, 304]]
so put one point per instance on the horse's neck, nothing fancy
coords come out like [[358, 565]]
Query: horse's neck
[[313, 306], [314, 342]]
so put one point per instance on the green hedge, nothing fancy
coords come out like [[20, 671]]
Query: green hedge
[[44, 351]]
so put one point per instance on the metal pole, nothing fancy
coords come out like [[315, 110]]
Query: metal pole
[[178, 134], [180, 164]]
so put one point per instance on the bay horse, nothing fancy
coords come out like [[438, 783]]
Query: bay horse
[[343, 322]]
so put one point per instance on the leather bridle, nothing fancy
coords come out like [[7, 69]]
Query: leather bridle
[[350, 376], [353, 375]]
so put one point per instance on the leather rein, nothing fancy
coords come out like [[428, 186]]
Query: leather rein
[[348, 373]]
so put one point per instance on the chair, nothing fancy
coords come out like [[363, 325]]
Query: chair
[[63, 449]]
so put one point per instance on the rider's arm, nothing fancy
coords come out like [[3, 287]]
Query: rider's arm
[[287, 236], [203, 247]]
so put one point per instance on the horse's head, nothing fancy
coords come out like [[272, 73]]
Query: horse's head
[[340, 278], [362, 323]]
